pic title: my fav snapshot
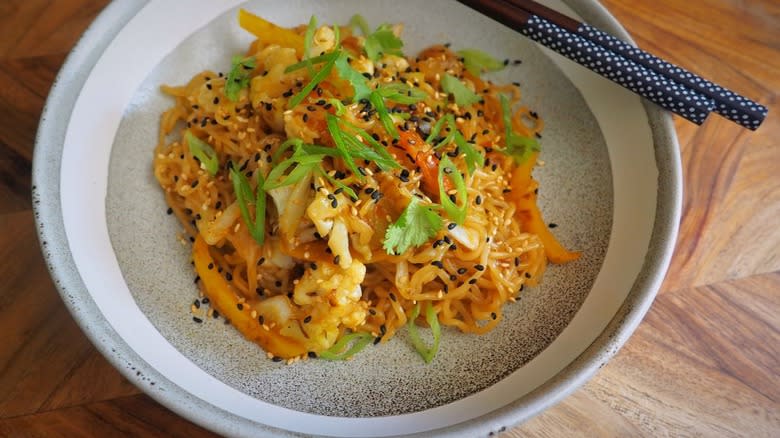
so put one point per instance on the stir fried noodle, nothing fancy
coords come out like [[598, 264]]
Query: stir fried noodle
[[336, 191]]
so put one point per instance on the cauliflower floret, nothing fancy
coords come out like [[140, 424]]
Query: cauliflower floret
[[324, 41]]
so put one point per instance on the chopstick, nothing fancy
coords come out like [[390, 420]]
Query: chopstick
[[661, 82]]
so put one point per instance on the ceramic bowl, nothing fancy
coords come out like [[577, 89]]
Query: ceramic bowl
[[611, 181]]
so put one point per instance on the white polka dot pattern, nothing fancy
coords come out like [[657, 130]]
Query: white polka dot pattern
[[728, 104], [641, 80]]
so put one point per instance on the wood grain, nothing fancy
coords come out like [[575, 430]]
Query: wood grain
[[705, 362]]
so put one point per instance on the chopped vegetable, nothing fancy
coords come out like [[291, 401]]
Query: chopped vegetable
[[382, 41], [303, 162], [379, 105], [311, 61], [471, 155], [307, 39], [340, 108], [401, 93], [462, 95], [269, 32], [238, 77], [478, 62], [225, 300], [518, 147], [355, 79], [448, 169], [342, 350], [415, 226], [203, 152], [433, 321], [244, 196], [358, 21], [315, 80]]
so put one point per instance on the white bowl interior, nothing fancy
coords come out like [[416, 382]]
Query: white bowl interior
[[118, 89]]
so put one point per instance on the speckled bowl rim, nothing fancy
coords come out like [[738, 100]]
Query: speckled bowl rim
[[48, 216]]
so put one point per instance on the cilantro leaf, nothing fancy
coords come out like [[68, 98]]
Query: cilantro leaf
[[244, 197], [462, 95], [203, 152], [454, 212], [477, 61], [518, 147], [382, 41], [433, 322], [356, 80], [238, 77], [415, 226]]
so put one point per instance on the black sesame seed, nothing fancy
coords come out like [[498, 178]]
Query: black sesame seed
[[451, 226], [307, 319], [170, 210], [336, 260], [552, 225], [240, 306], [462, 271], [312, 355], [493, 316], [276, 359], [473, 281], [205, 300], [527, 275], [228, 276], [517, 261], [196, 319], [261, 319], [260, 291], [196, 304], [392, 297], [478, 200]]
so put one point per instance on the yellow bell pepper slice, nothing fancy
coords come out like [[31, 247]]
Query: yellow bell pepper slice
[[225, 300], [269, 32], [529, 215]]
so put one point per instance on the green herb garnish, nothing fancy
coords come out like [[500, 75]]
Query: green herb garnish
[[341, 350], [478, 62], [382, 41], [462, 95], [433, 321], [456, 213], [471, 155], [238, 77], [358, 21], [518, 147], [416, 224], [203, 152], [402, 93], [355, 79], [315, 80], [307, 39], [245, 196], [378, 103]]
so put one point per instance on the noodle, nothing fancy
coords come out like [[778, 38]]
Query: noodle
[[305, 263]]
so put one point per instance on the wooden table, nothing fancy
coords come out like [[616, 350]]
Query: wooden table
[[705, 361]]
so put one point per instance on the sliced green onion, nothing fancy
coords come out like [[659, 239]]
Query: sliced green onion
[[311, 61], [477, 61], [347, 189], [238, 77], [244, 196], [340, 108], [472, 157], [203, 152], [459, 91], [433, 321], [318, 77], [402, 93], [307, 39], [338, 139], [339, 350], [379, 154], [455, 213], [358, 21], [518, 147], [379, 105], [437, 128]]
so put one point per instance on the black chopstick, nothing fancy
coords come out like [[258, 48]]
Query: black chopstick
[[665, 84]]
